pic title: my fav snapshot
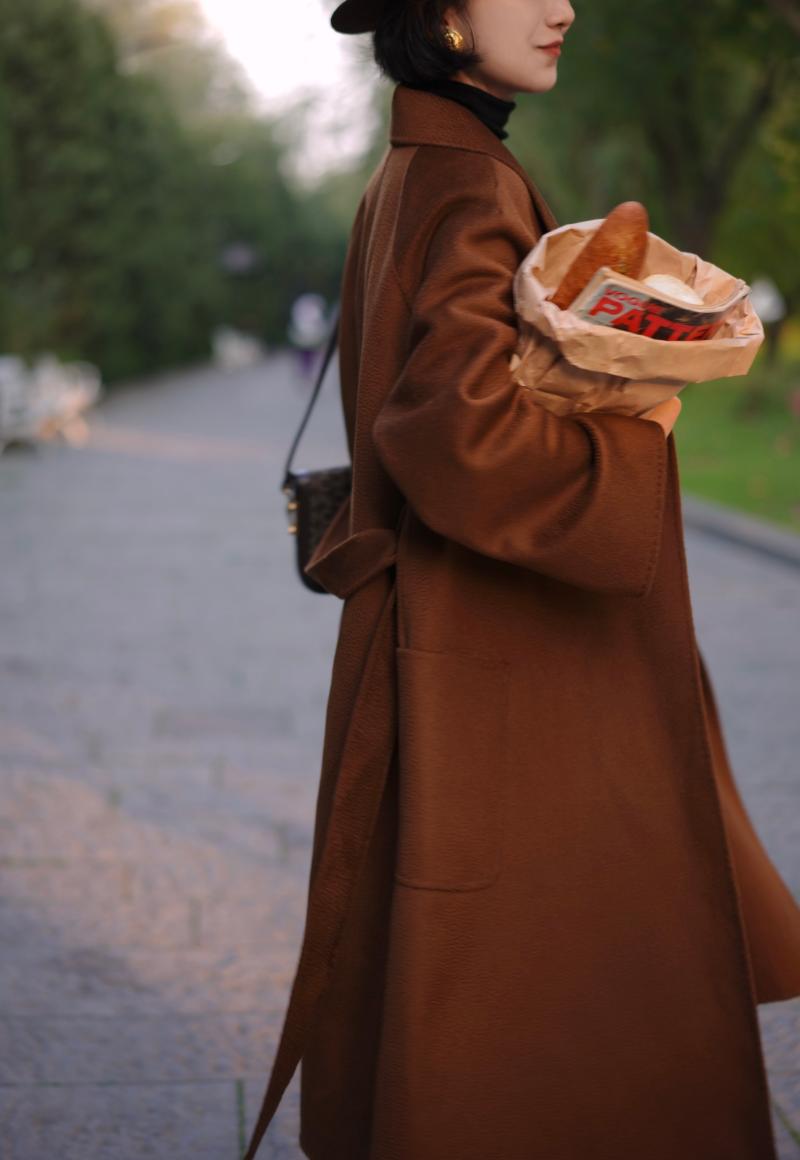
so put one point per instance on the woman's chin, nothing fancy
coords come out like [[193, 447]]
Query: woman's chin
[[526, 81], [536, 80], [541, 84]]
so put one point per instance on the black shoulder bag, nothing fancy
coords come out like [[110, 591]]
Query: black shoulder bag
[[314, 497]]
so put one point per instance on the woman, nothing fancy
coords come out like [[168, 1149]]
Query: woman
[[539, 919]]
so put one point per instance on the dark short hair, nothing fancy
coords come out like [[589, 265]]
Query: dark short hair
[[409, 46]]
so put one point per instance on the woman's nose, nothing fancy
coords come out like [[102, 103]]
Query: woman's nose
[[562, 15]]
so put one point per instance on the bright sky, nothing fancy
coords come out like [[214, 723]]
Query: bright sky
[[290, 52]]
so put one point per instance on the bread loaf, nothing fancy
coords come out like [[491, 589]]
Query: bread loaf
[[619, 242]]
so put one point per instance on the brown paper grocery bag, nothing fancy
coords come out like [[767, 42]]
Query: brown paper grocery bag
[[573, 365]]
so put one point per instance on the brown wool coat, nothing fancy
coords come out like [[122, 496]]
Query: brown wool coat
[[557, 917]]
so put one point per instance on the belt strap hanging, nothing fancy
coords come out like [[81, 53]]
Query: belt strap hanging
[[363, 772]]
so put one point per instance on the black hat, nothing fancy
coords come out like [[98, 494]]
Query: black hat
[[356, 16]]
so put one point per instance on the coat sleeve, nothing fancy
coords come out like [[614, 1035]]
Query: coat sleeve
[[578, 498]]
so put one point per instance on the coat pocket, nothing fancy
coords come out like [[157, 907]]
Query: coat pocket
[[452, 744]]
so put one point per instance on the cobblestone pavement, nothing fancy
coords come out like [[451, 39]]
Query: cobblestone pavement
[[164, 678]]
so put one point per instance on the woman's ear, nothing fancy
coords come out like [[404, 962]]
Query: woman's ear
[[450, 19]]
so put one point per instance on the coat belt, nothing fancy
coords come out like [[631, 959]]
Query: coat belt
[[367, 753], [353, 562]]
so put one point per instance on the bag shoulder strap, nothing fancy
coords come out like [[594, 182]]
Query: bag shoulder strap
[[328, 353]]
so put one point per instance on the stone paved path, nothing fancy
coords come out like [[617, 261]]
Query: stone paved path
[[164, 678]]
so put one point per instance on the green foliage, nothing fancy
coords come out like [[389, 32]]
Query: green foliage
[[660, 104], [760, 230], [115, 206], [742, 456], [132, 160], [297, 244]]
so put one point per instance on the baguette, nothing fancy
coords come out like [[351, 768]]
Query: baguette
[[619, 242]]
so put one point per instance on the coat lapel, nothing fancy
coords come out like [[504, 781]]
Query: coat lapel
[[420, 117]]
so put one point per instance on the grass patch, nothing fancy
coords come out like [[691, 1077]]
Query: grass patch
[[738, 441]]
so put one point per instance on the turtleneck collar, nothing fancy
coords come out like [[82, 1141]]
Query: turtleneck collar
[[492, 110]]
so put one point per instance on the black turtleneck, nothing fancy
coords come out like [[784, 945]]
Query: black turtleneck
[[492, 110]]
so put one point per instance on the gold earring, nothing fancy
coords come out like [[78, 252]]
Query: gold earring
[[453, 38]]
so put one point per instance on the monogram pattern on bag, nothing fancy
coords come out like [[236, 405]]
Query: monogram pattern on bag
[[319, 495]]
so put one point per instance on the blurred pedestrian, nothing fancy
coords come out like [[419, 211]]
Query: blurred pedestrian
[[308, 328]]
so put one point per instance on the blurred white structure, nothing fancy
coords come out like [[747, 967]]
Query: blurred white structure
[[767, 300], [45, 400], [16, 413], [233, 348]]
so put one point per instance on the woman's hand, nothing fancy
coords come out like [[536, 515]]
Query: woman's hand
[[665, 413]]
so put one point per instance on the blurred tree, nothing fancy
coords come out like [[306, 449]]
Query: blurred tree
[[143, 198], [662, 106], [127, 203], [171, 41], [341, 190], [110, 253], [788, 10], [279, 241], [760, 232]]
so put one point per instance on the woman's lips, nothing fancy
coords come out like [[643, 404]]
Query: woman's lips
[[551, 49]]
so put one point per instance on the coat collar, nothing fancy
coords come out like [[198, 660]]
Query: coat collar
[[419, 117]]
